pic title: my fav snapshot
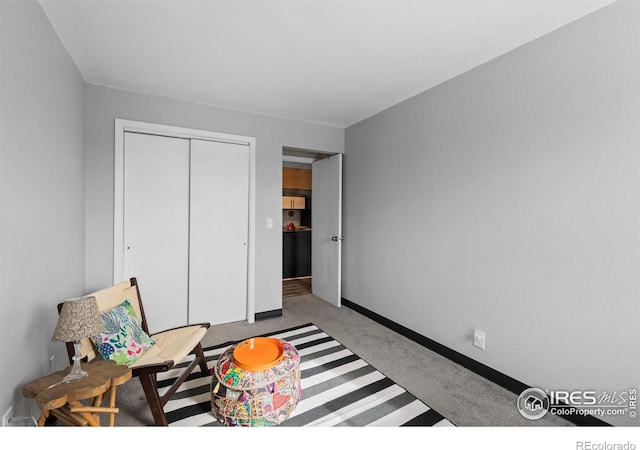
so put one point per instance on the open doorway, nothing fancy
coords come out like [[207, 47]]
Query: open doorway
[[296, 224], [312, 224]]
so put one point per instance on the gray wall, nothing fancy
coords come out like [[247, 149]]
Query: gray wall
[[507, 199], [41, 193], [104, 104]]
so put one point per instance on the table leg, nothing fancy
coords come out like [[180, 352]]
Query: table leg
[[89, 417], [112, 404], [68, 417], [43, 417]]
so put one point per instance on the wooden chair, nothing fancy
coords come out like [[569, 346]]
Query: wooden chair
[[172, 347]]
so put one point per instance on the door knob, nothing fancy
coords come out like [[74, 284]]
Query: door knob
[[336, 238]]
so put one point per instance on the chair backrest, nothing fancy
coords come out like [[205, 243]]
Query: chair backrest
[[107, 299]]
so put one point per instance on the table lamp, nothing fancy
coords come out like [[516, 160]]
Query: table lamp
[[79, 318]]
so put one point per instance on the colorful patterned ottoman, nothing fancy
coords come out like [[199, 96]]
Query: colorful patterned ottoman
[[256, 388]]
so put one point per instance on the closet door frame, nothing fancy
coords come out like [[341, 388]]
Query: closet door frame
[[122, 126]]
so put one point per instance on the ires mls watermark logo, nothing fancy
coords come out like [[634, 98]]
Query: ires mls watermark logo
[[534, 403]]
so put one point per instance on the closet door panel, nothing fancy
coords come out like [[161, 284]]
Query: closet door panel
[[219, 232], [156, 224]]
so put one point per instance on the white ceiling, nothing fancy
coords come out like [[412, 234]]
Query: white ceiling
[[330, 62]]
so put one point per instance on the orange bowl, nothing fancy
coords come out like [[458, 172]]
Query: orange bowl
[[259, 353]]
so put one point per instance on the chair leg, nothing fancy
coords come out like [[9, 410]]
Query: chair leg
[[203, 362], [153, 398]]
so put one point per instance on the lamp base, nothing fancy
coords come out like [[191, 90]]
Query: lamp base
[[73, 376], [76, 371]]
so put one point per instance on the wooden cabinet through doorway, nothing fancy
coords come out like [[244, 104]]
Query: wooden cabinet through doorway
[[296, 178], [293, 202]]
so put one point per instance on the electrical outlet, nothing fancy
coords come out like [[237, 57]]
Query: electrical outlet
[[7, 416], [479, 338]]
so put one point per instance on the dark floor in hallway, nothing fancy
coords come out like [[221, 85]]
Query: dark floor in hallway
[[292, 287]]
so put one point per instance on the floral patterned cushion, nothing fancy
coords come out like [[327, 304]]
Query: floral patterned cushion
[[123, 340]]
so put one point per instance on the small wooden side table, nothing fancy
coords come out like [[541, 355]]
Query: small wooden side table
[[79, 402]]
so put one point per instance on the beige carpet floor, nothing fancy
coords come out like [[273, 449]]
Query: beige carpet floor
[[466, 399]]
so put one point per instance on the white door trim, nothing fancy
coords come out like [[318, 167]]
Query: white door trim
[[122, 125]]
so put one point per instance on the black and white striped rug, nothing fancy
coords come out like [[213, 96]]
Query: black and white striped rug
[[338, 389]]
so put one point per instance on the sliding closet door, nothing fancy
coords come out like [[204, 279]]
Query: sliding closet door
[[218, 232], [156, 224]]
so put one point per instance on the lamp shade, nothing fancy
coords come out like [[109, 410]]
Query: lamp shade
[[79, 318]]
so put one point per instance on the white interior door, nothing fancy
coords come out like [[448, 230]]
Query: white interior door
[[219, 232], [326, 229], [156, 224]]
